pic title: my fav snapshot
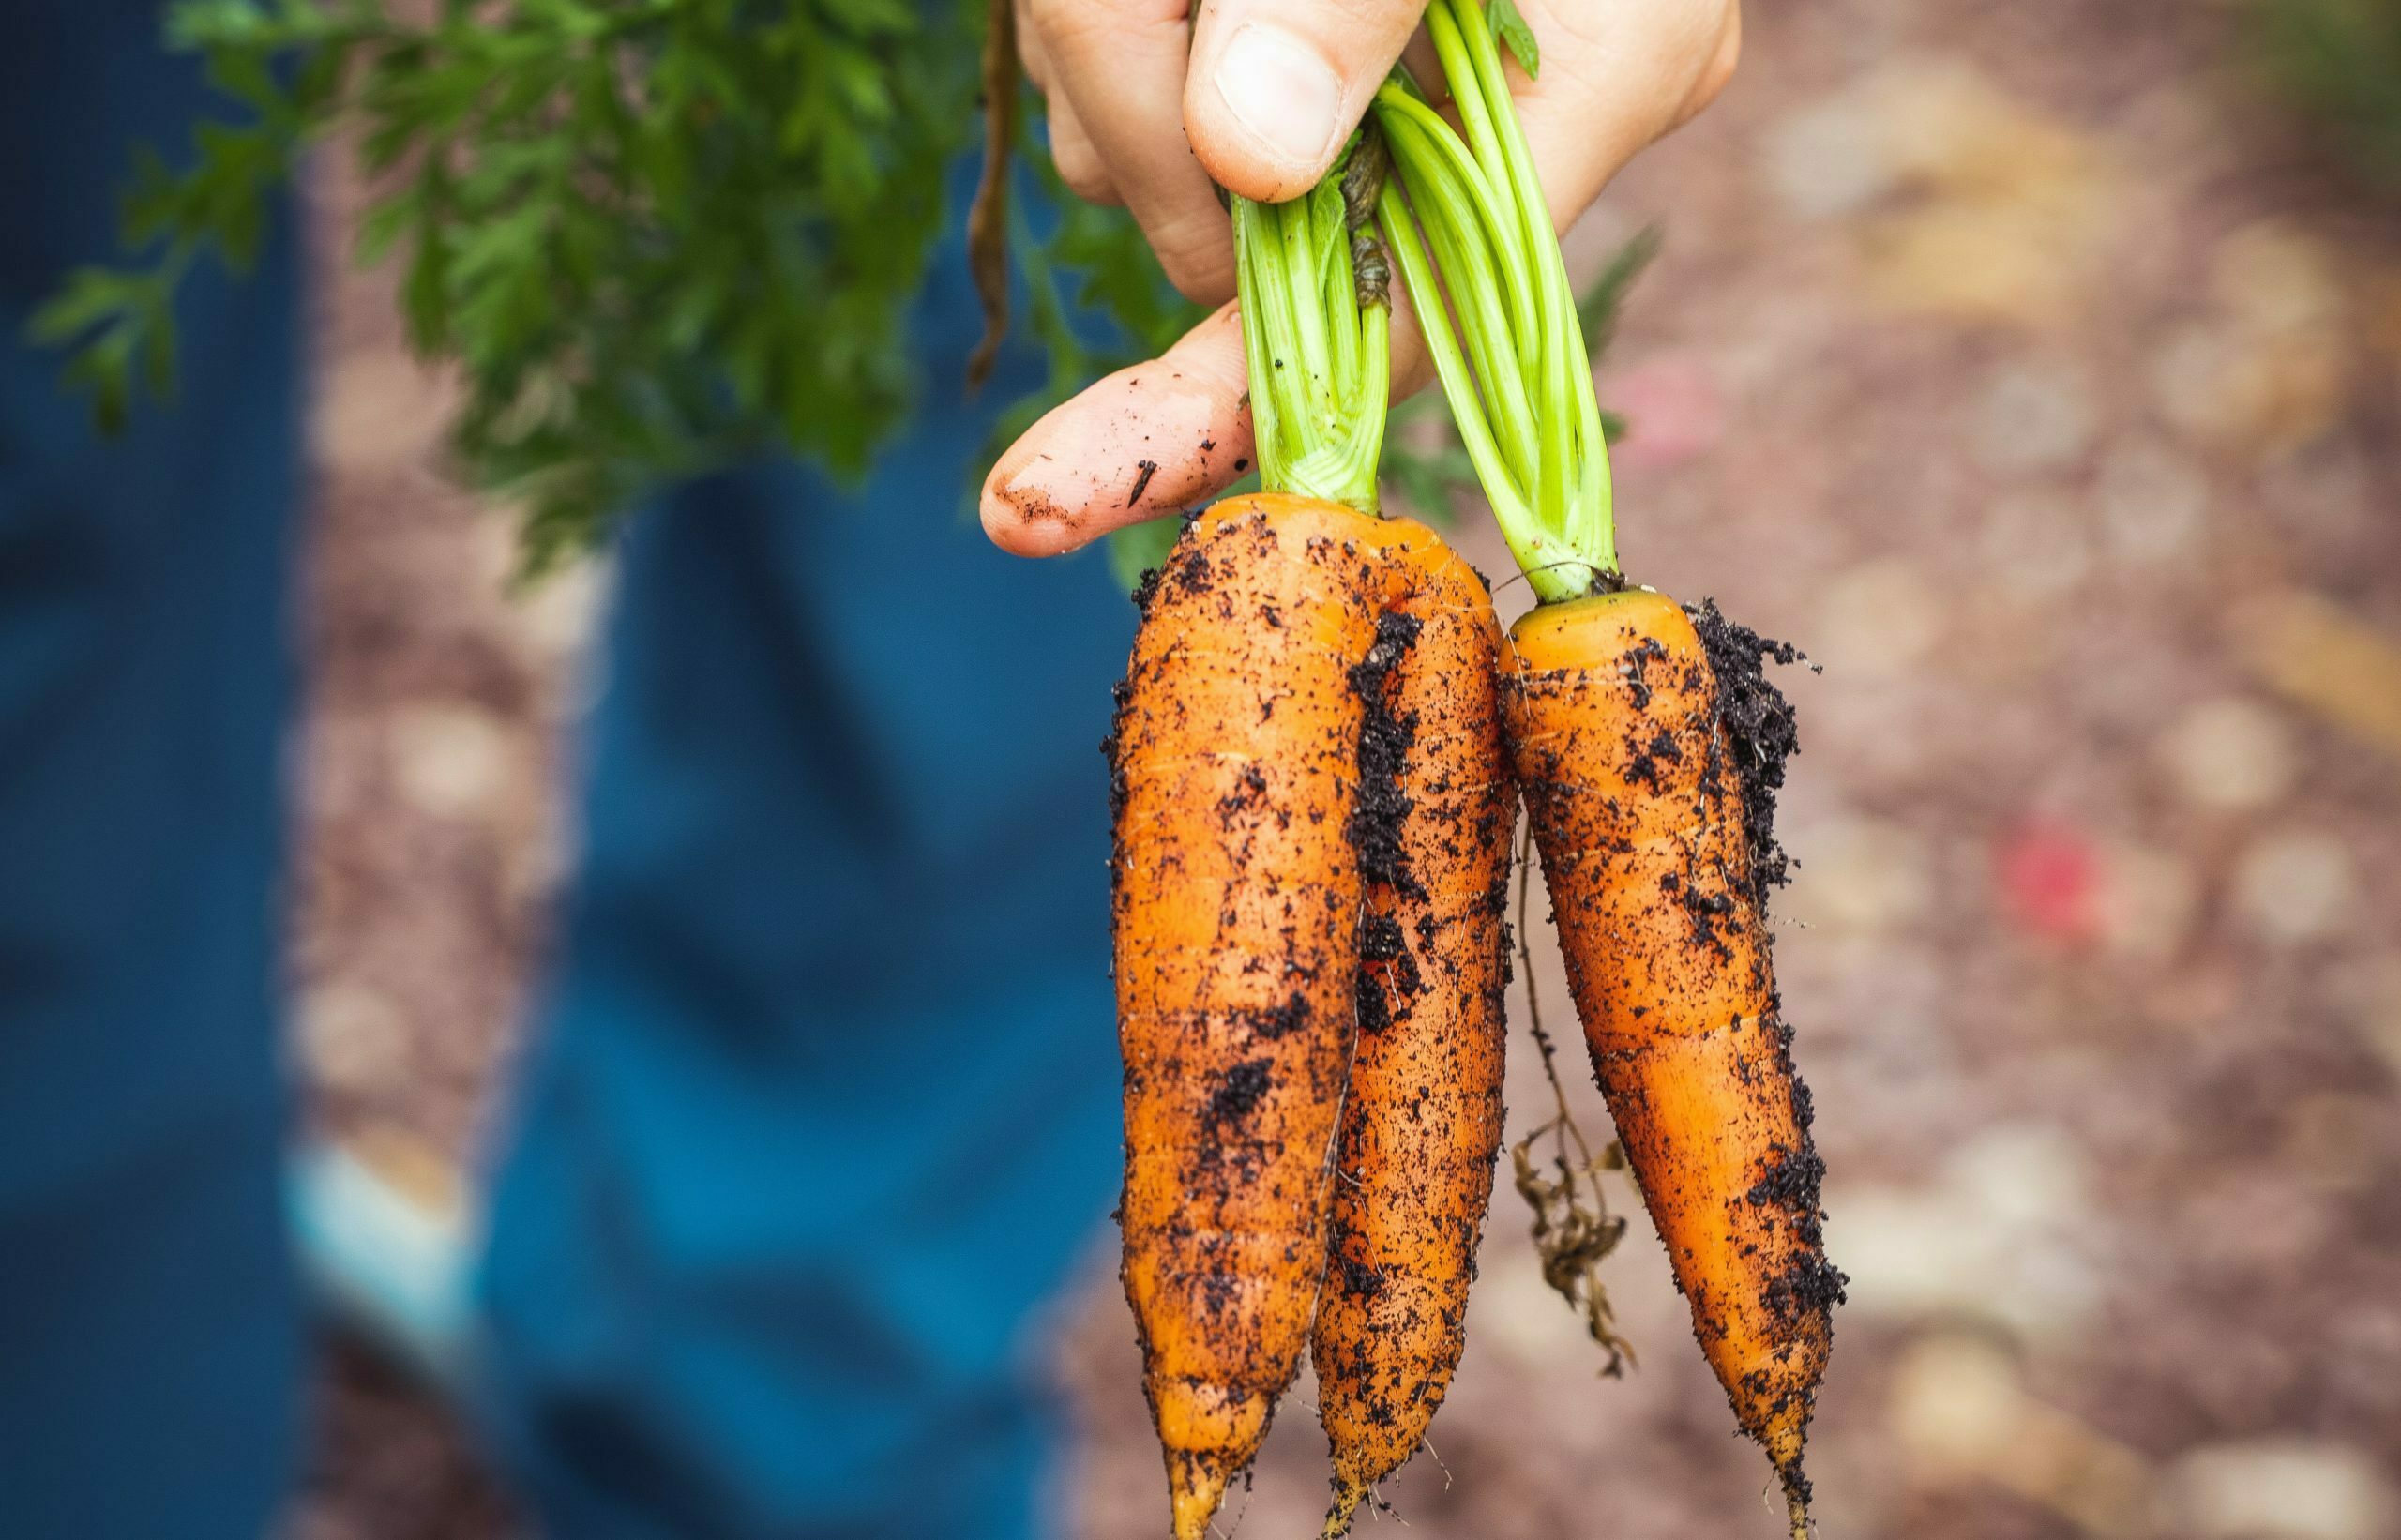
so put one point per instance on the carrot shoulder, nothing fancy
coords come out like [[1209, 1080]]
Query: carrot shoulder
[[1638, 810]]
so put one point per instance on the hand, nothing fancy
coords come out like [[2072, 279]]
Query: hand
[[1260, 96]]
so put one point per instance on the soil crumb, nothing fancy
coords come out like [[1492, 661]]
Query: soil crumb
[[1385, 743], [1761, 732]]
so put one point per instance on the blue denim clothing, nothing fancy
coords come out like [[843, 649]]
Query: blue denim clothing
[[149, 1321], [821, 1097], [825, 1096]]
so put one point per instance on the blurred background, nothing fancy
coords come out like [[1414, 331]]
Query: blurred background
[[2037, 369]]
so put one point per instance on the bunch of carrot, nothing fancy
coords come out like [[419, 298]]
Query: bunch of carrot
[[1318, 753]]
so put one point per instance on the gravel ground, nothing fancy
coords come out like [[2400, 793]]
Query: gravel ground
[[2014, 364]]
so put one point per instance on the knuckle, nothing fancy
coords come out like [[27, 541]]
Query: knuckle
[[1193, 240], [1082, 31], [1201, 268], [1077, 158], [1085, 177]]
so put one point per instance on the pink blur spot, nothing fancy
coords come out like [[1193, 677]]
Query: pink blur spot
[[2050, 882], [1672, 408]]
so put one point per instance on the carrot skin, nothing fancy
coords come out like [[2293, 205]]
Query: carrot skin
[[1422, 1121], [1637, 808]]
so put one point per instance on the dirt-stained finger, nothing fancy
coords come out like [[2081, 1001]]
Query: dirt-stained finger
[[1155, 439]]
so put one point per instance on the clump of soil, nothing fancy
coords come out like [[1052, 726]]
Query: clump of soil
[[1761, 731], [1385, 743], [1376, 818], [1761, 734]]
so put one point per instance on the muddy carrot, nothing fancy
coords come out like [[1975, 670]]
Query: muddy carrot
[[1634, 784], [1236, 904], [1421, 1126], [1248, 821], [1262, 795], [1648, 766]]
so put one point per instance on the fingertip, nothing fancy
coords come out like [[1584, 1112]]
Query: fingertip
[[1264, 110], [1275, 88], [1021, 514], [1140, 444]]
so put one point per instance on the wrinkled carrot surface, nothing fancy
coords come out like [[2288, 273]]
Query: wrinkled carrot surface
[[1637, 809], [1421, 1125]]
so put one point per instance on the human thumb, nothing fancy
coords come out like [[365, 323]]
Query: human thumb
[[1277, 86]]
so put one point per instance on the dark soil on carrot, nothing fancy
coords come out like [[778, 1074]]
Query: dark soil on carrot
[[1385, 742], [1763, 730]]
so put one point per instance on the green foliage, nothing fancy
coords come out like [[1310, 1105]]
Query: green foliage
[[125, 331], [1316, 334], [1509, 25], [656, 235], [2339, 62]]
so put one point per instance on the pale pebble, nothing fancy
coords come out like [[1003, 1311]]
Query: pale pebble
[[2036, 544], [352, 1040], [2294, 886], [2032, 416], [2147, 901], [1955, 1399], [2283, 1489], [1877, 620], [377, 410], [2229, 753], [1830, 159], [449, 758], [2154, 504], [1861, 874]]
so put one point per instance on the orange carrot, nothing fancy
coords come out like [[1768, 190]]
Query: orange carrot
[[1421, 1125], [1644, 792], [1239, 884], [1654, 862]]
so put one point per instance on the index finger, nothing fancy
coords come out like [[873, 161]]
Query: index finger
[[1149, 441], [1146, 441]]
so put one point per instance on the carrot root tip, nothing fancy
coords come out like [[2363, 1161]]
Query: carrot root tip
[[1196, 1494], [1796, 1500]]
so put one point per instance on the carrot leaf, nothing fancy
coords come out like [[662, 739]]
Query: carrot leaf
[[1509, 25], [1472, 232]]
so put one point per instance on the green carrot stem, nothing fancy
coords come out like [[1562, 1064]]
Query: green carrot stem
[[1319, 352], [1498, 310]]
